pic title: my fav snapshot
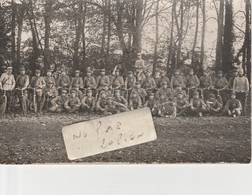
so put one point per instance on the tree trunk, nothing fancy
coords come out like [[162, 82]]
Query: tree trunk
[[13, 35], [180, 34], [109, 32], [219, 42], [196, 34], [84, 36], [202, 53], [139, 20], [248, 40]]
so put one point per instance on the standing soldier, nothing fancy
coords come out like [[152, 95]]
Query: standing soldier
[[142, 93], [130, 83], [149, 83], [135, 101], [140, 76], [57, 74], [102, 80], [139, 62], [121, 100], [191, 82], [63, 80], [163, 78], [88, 102], [22, 81], [176, 80], [77, 80], [89, 81], [206, 84], [72, 104], [231, 79], [38, 83], [49, 78], [241, 88], [233, 106], [197, 105], [76, 87], [165, 90], [221, 84], [58, 102], [7, 83], [101, 103], [117, 81], [152, 103]]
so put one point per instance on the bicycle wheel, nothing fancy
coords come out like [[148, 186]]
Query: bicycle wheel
[[3, 105]]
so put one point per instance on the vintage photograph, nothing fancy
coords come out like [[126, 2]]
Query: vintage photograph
[[144, 81]]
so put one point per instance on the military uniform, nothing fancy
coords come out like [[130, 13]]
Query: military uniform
[[63, 81], [72, 104], [197, 105], [50, 79], [182, 105], [102, 81], [176, 81], [101, 104], [89, 82], [166, 91], [88, 104], [117, 82], [135, 102], [149, 84], [141, 92], [213, 106], [152, 104], [58, 103], [233, 107], [167, 108]]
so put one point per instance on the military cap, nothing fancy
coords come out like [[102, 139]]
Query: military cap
[[139, 54], [195, 93], [102, 70], [73, 91], [22, 69], [109, 97], [180, 93], [177, 71], [77, 71], [233, 93], [49, 70], [89, 90], [117, 91], [9, 68], [134, 92], [130, 72], [63, 91], [89, 71], [37, 71], [151, 94], [138, 82], [164, 83], [212, 95], [50, 82], [103, 92]]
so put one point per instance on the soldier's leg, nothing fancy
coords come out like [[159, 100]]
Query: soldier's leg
[[52, 109]]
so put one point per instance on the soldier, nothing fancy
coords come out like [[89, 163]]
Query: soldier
[[234, 73], [130, 83], [140, 76], [163, 78], [176, 80], [180, 90], [63, 80], [76, 87], [233, 106], [157, 78], [220, 82], [22, 81], [117, 81], [166, 108], [142, 93], [102, 80], [241, 88], [182, 104], [197, 105], [191, 82], [7, 83], [121, 100], [57, 74], [206, 84], [89, 82], [58, 102], [72, 104], [149, 83], [38, 83], [101, 103], [139, 62], [77, 80], [135, 101], [152, 103], [165, 90], [114, 107], [49, 77], [50, 92], [213, 106], [88, 102]]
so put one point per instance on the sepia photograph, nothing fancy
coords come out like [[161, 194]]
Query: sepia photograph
[[125, 81]]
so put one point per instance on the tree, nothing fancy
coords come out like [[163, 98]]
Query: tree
[[202, 53]]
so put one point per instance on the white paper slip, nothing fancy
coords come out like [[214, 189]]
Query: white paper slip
[[109, 133]]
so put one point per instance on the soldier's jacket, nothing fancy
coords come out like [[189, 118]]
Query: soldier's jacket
[[77, 81], [151, 103], [101, 103], [56, 75], [163, 79], [38, 82], [22, 81], [51, 91], [175, 93], [111, 107], [220, 83], [177, 81], [88, 101], [205, 81], [166, 106], [142, 93], [233, 104], [241, 84], [166, 91], [197, 103], [50, 78], [140, 76], [149, 83], [121, 100], [130, 82], [89, 81], [139, 63], [7, 82], [103, 81], [192, 81], [180, 102], [135, 102], [214, 104], [117, 82], [72, 102], [59, 100], [63, 81]]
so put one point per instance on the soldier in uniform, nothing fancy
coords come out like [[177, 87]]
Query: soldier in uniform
[[89, 82], [213, 106], [58, 102], [149, 83], [63, 80], [180, 90], [197, 105], [50, 92], [140, 76], [220, 82], [38, 83], [165, 90], [182, 104], [7, 83], [130, 83], [113, 106], [102, 80], [142, 93], [117, 81], [57, 74], [231, 79], [88, 102], [233, 106], [121, 100], [166, 108], [152, 103], [135, 101], [77, 80], [22, 82], [176, 80], [139, 62], [206, 84], [49, 77], [162, 79], [79, 93], [72, 104], [191, 82], [101, 103]]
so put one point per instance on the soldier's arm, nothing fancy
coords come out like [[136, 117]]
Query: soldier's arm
[[140, 103], [125, 101], [66, 103], [27, 82], [247, 85]]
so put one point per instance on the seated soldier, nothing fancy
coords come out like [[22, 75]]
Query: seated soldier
[[89, 81], [76, 87], [152, 103], [50, 92], [58, 102], [56, 74], [102, 80], [191, 82], [121, 100], [107, 90], [142, 93], [206, 81], [165, 90], [149, 83], [113, 107], [77, 81], [220, 82], [63, 80], [163, 78], [176, 80], [166, 108], [197, 105], [180, 90], [140, 76], [101, 103], [129, 84], [233, 106], [182, 104], [213, 106], [135, 101], [49, 77], [117, 80], [88, 102], [72, 104]]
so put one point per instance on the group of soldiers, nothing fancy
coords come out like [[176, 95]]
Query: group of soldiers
[[110, 94]]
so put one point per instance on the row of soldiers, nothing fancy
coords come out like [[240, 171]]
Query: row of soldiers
[[109, 94]]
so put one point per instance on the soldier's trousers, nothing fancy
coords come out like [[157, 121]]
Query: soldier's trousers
[[242, 97], [58, 109], [72, 109]]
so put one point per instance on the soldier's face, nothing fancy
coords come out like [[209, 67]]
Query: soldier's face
[[191, 72], [233, 97], [235, 73], [176, 74], [63, 73], [241, 73], [49, 74], [180, 96], [151, 97], [77, 74], [109, 101], [196, 96], [8, 71], [102, 73], [130, 75], [219, 75], [89, 94], [50, 85], [103, 95], [162, 97], [138, 86], [63, 94], [117, 94], [22, 72], [134, 95], [73, 94], [165, 86], [117, 73], [139, 57], [37, 74], [179, 88], [88, 74]]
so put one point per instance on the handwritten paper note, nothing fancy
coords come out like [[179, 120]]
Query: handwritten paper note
[[109, 133]]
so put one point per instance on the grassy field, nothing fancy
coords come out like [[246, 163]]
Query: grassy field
[[38, 139]]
